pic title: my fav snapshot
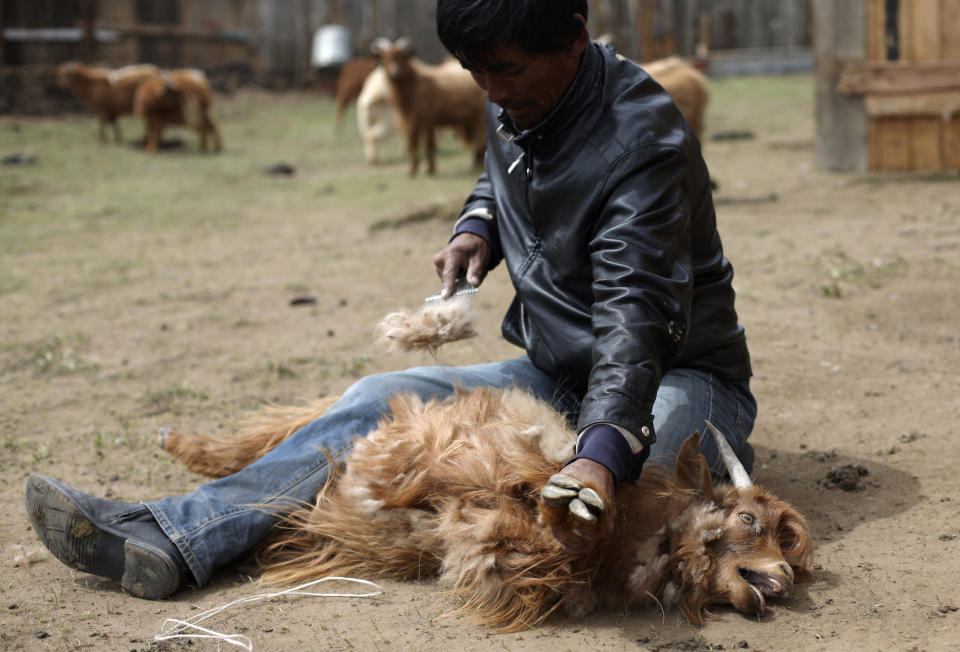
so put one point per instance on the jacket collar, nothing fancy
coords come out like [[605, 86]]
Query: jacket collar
[[586, 84]]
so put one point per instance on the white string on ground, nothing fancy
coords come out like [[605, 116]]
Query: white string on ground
[[174, 628]]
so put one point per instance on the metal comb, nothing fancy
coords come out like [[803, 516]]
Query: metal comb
[[461, 288]]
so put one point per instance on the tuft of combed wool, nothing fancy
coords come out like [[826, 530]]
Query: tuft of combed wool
[[435, 324]]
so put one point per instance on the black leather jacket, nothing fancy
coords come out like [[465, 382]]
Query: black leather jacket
[[604, 217]]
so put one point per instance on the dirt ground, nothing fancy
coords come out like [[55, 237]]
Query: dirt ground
[[138, 292]]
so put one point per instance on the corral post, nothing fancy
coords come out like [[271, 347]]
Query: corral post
[[3, 48], [88, 43], [841, 121]]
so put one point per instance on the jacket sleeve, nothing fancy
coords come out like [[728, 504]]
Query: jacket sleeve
[[479, 216], [642, 285]]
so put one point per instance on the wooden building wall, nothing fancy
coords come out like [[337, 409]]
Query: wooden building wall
[[888, 85], [913, 128], [888, 92]]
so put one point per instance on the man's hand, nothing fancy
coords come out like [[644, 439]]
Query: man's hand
[[465, 252], [586, 473]]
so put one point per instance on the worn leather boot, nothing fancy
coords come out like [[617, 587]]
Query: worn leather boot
[[121, 541]]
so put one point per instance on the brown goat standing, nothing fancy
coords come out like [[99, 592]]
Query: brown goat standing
[[428, 97], [686, 86], [453, 488], [178, 97], [108, 93]]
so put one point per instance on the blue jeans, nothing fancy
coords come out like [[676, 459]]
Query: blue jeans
[[226, 517]]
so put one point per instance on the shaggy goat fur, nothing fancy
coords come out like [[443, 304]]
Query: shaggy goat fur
[[434, 325], [451, 488]]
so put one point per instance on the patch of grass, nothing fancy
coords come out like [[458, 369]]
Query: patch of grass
[[846, 273], [119, 206], [297, 288], [59, 354], [171, 398], [355, 369], [10, 283], [768, 105], [125, 435], [43, 452], [280, 370], [832, 290]]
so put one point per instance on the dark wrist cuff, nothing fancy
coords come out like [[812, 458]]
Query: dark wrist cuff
[[484, 228], [604, 444]]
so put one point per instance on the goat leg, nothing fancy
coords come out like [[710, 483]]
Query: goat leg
[[564, 493]]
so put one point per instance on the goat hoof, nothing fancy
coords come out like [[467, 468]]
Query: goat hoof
[[557, 496], [162, 435], [579, 510], [565, 482], [592, 500]]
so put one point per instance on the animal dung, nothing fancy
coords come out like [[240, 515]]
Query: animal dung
[[435, 324], [281, 168], [847, 477], [18, 159]]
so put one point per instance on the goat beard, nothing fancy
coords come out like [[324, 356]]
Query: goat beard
[[434, 325]]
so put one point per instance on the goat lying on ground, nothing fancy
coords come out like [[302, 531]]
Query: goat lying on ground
[[108, 93], [178, 97], [428, 97], [458, 488]]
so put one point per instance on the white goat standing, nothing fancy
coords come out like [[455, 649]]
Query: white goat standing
[[376, 115]]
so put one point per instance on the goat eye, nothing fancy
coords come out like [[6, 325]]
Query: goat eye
[[746, 518]]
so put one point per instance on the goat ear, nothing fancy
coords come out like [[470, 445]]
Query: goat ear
[[795, 543], [405, 46], [692, 470]]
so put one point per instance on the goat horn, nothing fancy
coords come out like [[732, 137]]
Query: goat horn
[[738, 474]]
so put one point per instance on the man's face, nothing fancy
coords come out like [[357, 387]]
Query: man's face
[[527, 86]]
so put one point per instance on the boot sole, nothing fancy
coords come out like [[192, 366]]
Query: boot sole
[[79, 542]]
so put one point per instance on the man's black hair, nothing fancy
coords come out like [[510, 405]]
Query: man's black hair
[[470, 29]]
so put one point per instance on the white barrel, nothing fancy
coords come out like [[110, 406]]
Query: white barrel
[[331, 46]]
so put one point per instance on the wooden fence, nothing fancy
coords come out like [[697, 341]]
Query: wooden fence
[[888, 85], [650, 29], [274, 37]]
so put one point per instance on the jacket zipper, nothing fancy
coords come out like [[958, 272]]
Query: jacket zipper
[[528, 180]]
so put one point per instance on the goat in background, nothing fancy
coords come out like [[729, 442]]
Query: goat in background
[[376, 115], [106, 92], [350, 82], [428, 97], [458, 489], [686, 86], [178, 97]]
